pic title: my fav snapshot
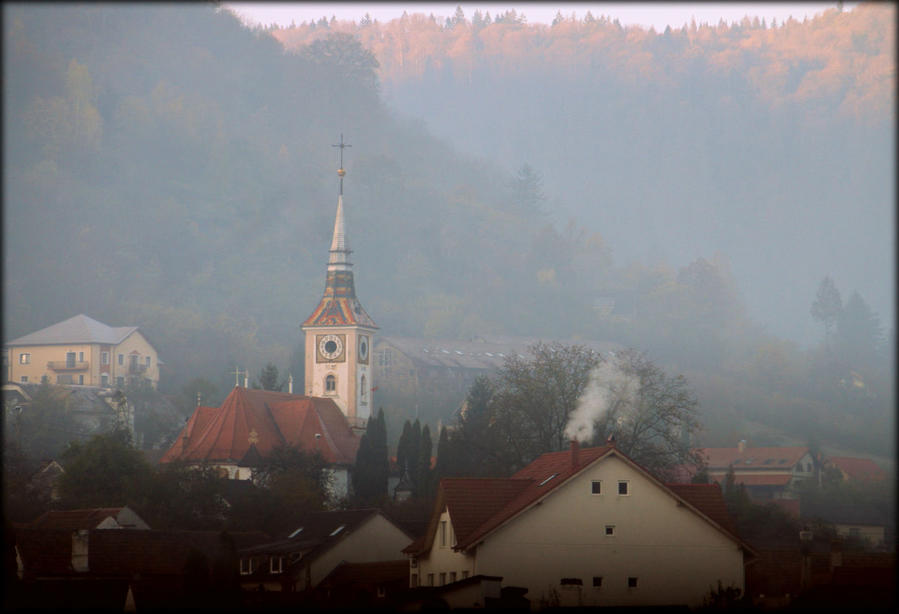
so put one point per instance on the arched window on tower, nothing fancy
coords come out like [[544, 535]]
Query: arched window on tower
[[363, 393], [330, 384]]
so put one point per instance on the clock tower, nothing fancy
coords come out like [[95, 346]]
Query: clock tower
[[339, 332]]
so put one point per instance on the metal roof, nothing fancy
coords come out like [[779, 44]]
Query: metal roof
[[77, 329]]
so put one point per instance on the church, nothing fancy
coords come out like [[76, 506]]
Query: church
[[329, 418]]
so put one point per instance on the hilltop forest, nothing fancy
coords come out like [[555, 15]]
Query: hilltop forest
[[168, 167]]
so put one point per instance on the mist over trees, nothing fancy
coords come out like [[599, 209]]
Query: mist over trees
[[170, 168]]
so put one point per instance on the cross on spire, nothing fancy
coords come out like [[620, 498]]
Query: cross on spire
[[340, 171]]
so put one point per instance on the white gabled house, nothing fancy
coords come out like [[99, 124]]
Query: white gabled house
[[585, 527]]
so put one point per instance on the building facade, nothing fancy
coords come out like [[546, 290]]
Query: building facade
[[82, 351], [583, 528]]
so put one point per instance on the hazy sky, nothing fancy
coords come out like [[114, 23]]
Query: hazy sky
[[637, 13]]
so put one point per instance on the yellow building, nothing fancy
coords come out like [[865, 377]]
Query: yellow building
[[82, 351]]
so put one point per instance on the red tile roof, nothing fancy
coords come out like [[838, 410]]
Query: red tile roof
[[862, 469], [478, 506], [270, 419], [777, 479], [753, 458]]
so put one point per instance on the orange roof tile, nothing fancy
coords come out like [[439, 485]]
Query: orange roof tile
[[777, 479], [862, 469], [268, 419]]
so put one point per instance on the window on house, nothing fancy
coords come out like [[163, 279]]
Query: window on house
[[104, 380], [452, 577], [330, 383], [80, 356], [413, 562], [596, 487], [148, 362], [610, 530], [70, 359], [430, 579], [442, 578], [443, 533], [276, 564], [571, 582], [363, 390], [104, 358], [382, 592], [246, 566], [81, 380], [24, 379], [622, 487], [120, 381], [414, 581], [632, 582], [25, 358], [45, 379], [64, 379], [597, 581], [121, 359], [464, 574]]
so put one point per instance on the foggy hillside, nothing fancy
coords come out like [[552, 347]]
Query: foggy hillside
[[770, 144], [169, 168]]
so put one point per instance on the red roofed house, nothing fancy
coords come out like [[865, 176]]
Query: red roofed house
[[251, 423], [91, 518], [857, 469], [768, 473], [585, 527]]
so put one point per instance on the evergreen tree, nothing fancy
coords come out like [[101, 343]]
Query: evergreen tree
[[402, 448], [380, 461], [362, 469], [859, 335], [413, 457], [424, 487], [827, 307], [268, 379]]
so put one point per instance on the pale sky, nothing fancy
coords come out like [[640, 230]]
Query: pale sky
[[646, 14]]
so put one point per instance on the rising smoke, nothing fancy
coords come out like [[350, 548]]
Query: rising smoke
[[609, 391]]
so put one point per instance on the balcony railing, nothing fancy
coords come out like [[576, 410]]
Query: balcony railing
[[65, 365], [136, 369]]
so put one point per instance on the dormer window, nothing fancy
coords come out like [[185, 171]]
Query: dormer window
[[337, 530], [295, 533]]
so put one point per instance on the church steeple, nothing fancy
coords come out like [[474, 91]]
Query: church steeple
[[339, 332]]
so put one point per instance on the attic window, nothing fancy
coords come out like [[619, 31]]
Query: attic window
[[547, 479], [295, 533], [782, 461], [337, 530], [749, 461], [768, 461]]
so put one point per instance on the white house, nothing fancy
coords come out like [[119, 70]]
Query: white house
[[585, 527]]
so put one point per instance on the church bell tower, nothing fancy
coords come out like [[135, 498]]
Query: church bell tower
[[339, 332]]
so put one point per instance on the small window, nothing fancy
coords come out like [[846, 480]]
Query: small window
[[597, 581], [45, 379], [24, 379], [610, 530], [120, 381], [596, 487], [246, 566], [464, 574], [632, 582], [452, 577], [430, 579], [382, 592], [81, 380], [25, 359], [276, 564], [121, 359], [571, 582], [413, 562], [104, 380], [148, 362], [104, 358], [442, 578], [414, 581], [622, 487], [443, 533], [330, 383]]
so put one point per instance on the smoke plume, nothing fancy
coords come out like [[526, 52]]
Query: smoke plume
[[609, 387]]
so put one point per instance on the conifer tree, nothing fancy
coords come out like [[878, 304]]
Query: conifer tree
[[424, 486]]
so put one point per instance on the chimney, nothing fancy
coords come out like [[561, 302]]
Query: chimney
[[246, 379], [741, 446], [611, 440], [290, 383], [575, 449]]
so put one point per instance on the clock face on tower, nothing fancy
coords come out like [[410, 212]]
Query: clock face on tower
[[330, 348], [363, 349]]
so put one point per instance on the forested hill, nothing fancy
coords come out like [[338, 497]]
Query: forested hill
[[167, 167], [771, 143]]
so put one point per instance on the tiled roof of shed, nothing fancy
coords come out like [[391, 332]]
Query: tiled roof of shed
[[268, 419], [863, 469], [77, 329]]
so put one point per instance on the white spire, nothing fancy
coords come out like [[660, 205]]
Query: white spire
[[340, 248]]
